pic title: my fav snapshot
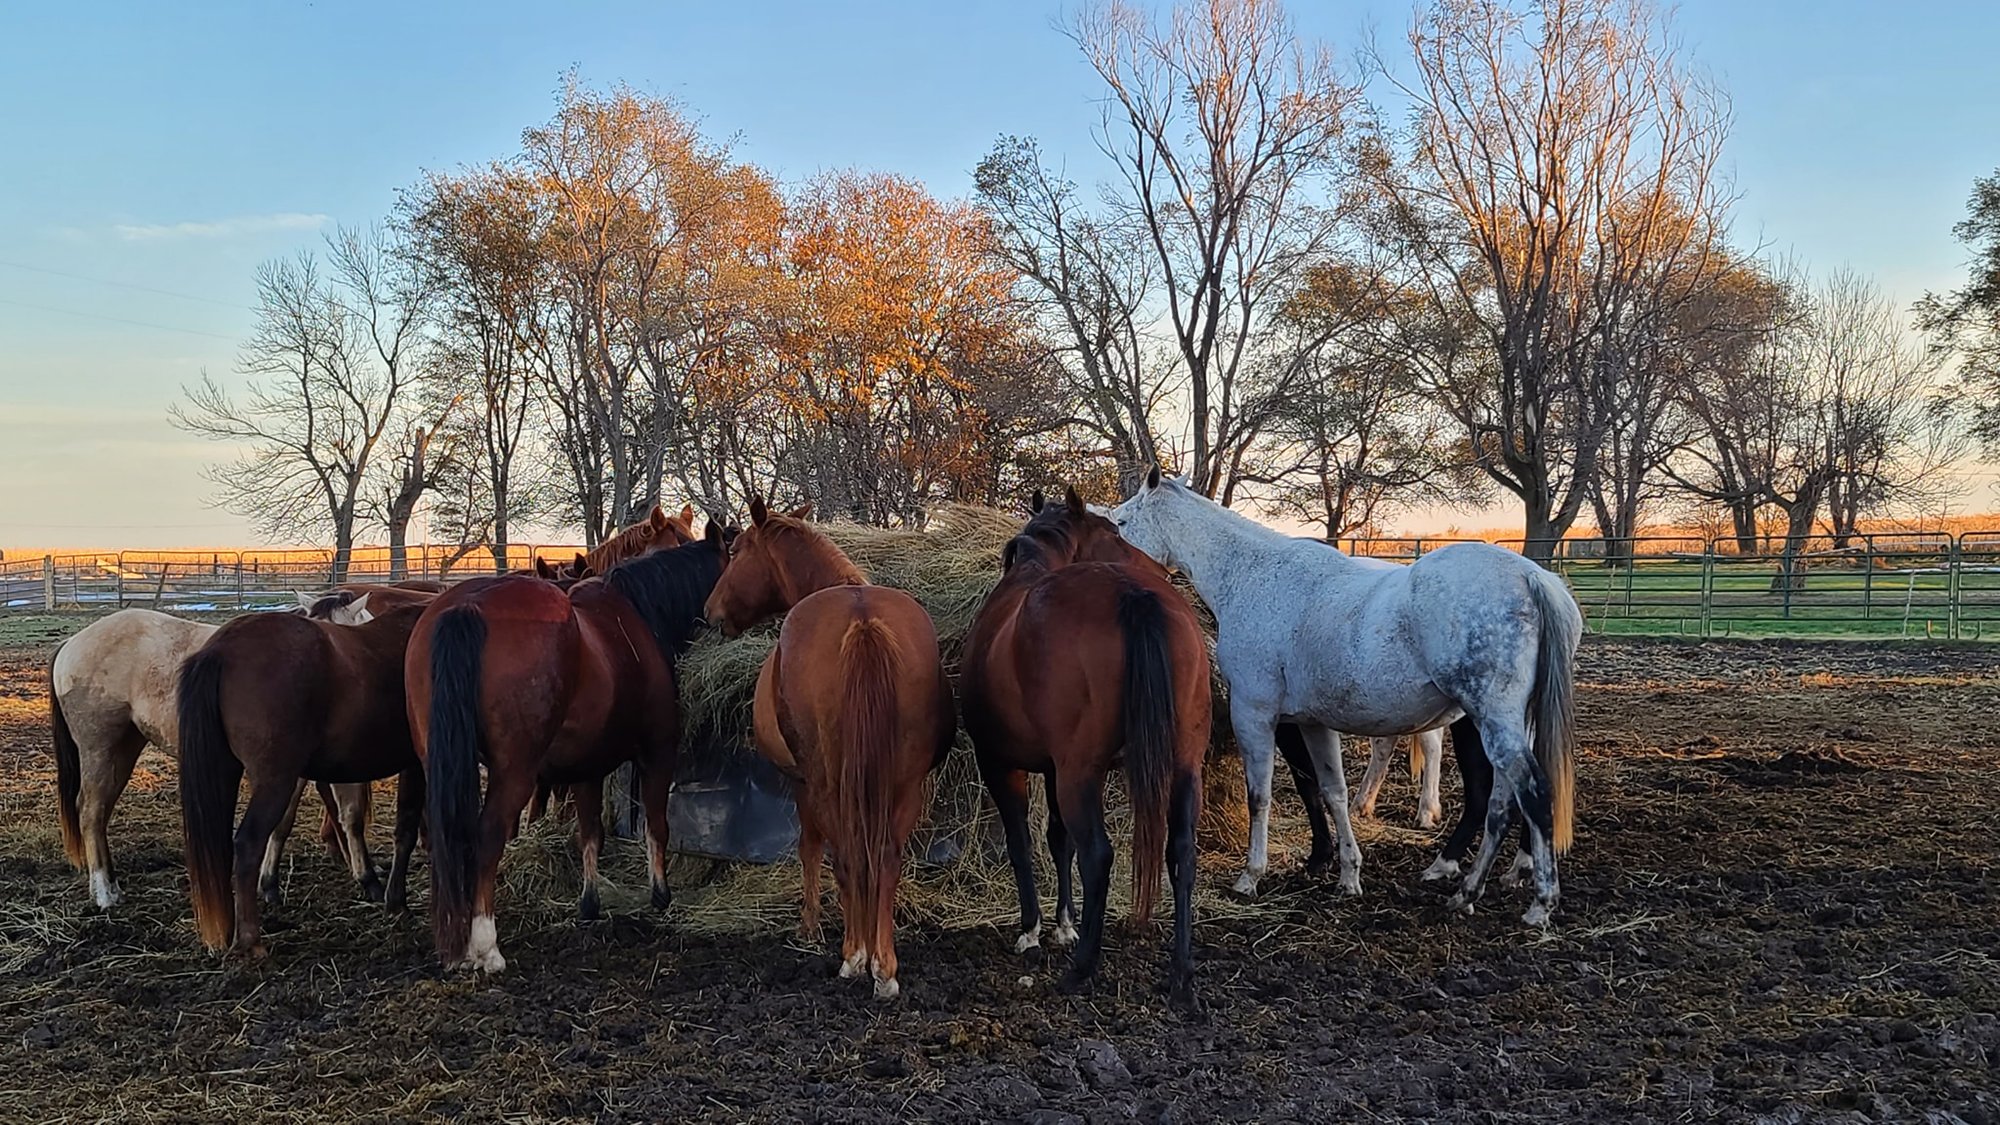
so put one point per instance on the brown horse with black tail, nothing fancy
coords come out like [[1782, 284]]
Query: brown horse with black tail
[[276, 698], [853, 705], [553, 687], [1085, 654]]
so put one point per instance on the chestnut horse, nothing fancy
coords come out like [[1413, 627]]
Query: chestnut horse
[[279, 698], [1085, 652], [853, 705], [657, 532], [547, 686]]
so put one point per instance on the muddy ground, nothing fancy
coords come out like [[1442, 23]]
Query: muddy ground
[[1781, 906]]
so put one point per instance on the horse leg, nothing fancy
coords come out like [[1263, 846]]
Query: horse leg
[[352, 802], [1324, 745], [589, 798], [1381, 751], [1522, 786], [410, 795], [1292, 745], [104, 778], [1083, 812], [1430, 744], [812, 851], [656, 785], [853, 955], [1256, 739], [1181, 819], [268, 886], [882, 956], [506, 793], [1063, 850], [1010, 796], [1475, 774], [269, 798]]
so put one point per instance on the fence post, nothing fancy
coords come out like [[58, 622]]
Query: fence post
[[1708, 590], [1868, 578], [49, 583], [1954, 587], [237, 566], [121, 579]]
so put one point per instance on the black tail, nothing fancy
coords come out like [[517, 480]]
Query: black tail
[[1150, 725], [452, 773], [69, 772], [210, 775]]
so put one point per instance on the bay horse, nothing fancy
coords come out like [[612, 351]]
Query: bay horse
[[1083, 655], [111, 692], [276, 698], [547, 686], [1470, 634], [853, 704]]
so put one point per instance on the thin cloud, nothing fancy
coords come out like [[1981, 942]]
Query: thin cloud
[[221, 228]]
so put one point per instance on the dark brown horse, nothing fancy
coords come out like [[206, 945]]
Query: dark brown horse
[[277, 697], [853, 705], [1083, 654], [552, 687]]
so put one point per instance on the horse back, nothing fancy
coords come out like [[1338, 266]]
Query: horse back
[[125, 667], [529, 662], [621, 688]]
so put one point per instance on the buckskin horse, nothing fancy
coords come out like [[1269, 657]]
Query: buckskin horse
[[1085, 654], [280, 698], [111, 691], [852, 704], [1470, 634], [547, 686]]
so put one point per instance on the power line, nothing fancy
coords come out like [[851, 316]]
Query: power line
[[117, 320], [123, 285]]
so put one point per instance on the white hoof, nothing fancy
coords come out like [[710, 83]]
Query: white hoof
[[1350, 884], [1537, 915], [1063, 936], [1030, 940], [1428, 817], [104, 890], [887, 989], [1246, 885], [1441, 868], [1522, 867], [482, 950], [854, 966]]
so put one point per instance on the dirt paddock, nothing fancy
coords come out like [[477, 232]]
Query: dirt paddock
[[1781, 905]]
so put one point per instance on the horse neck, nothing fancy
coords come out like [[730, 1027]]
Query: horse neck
[[811, 563], [1211, 549]]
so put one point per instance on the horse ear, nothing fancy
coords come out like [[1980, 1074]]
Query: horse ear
[[357, 611], [713, 535], [803, 511], [1036, 503], [687, 514], [1074, 502], [580, 564], [307, 601], [758, 512], [657, 518], [543, 569], [1153, 477]]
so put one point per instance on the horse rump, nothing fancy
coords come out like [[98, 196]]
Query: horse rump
[[209, 776], [451, 767], [1150, 723]]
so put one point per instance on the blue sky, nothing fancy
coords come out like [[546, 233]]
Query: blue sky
[[173, 147]]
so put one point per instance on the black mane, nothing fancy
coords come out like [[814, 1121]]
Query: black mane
[[1045, 531], [669, 589]]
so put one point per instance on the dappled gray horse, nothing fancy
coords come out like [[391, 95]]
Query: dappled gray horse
[[1470, 634]]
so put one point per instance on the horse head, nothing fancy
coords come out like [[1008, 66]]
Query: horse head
[[1146, 518], [1069, 532], [657, 532], [769, 562]]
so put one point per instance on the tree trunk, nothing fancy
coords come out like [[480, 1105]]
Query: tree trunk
[[1743, 515]]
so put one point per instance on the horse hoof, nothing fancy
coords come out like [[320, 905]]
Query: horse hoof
[[1522, 867], [1318, 862], [396, 901], [1350, 886], [1458, 904], [588, 910], [1538, 915], [663, 897], [1031, 939], [812, 937], [272, 895], [1441, 868], [253, 951], [887, 989], [1245, 886], [373, 891], [1428, 818], [855, 965], [1063, 936], [1072, 984], [1181, 996]]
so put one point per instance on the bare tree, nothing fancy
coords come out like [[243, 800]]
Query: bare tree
[[1562, 189], [1965, 323], [1226, 131], [333, 361]]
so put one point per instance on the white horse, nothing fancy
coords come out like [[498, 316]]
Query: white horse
[[111, 691], [1470, 634]]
